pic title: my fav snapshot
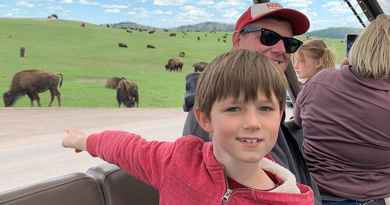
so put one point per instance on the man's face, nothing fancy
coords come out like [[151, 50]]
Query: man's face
[[277, 53]]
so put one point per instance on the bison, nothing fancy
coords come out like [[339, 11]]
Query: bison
[[150, 46], [32, 82], [182, 54], [127, 93], [112, 82], [174, 64], [200, 66], [122, 45]]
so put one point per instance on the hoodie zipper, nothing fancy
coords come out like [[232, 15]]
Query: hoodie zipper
[[226, 196]]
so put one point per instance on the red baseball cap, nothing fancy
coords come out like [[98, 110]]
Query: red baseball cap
[[299, 21]]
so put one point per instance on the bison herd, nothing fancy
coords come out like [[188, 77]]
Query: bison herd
[[33, 81]]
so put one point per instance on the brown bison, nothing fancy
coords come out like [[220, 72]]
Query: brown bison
[[122, 45], [174, 64], [150, 46], [182, 54], [127, 93], [112, 82], [200, 66], [32, 82]]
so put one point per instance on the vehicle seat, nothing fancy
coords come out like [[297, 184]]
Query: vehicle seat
[[120, 188], [76, 188]]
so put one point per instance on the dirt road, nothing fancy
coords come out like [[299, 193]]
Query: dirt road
[[30, 139]]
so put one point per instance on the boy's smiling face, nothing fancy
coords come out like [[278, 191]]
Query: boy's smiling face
[[243, 131]]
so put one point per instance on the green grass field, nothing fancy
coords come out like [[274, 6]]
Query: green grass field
[[88, 56]]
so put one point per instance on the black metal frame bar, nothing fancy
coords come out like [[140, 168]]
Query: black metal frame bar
[[371, 8]]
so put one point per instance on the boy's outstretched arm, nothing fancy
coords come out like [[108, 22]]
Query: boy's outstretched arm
[[145, 160], [75, 139]]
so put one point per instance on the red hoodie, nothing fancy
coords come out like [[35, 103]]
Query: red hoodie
[[186, 171]]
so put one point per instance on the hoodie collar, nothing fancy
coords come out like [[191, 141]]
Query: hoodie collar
[[288, 185]]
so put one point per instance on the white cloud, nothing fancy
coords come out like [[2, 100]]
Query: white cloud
[[206, 2], [337, 7], [385, 5], [139, 12], [161, 12], [298, 3], [192, 14], [67, 1], [168, 2], [112, 10], [231, 15], [25, 4], [114, 6], [228, 4], [233, 2], [89, 2], [55, 7]]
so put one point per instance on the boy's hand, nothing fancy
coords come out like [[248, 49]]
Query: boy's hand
[[75, 139]]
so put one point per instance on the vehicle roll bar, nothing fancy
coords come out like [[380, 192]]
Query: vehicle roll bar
[[371, 8]]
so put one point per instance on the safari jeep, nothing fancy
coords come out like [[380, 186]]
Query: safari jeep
[[106, 184]]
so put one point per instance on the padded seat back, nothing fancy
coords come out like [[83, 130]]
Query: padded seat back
[[76, 188], [119, 188]]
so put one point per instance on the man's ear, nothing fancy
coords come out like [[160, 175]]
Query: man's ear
[[203, 120], [236, 39]]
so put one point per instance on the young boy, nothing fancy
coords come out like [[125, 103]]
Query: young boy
[[240, 100]]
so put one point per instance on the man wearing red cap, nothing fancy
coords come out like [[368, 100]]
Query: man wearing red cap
[[268, 28]]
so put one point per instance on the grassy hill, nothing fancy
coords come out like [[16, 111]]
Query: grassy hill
[[334, 32], [88, 56], [207, 26]]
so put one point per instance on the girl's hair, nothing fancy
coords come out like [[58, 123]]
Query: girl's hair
[[370, 53], [239, 73], [317, 50]]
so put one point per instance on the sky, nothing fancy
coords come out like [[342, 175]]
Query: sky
[[173, 13]]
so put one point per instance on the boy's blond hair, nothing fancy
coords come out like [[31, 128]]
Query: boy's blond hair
[[317, 50], [239, 72], [370, 53]]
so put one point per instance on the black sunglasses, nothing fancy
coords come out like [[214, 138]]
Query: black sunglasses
[[270, 38]]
